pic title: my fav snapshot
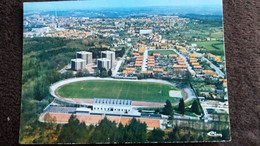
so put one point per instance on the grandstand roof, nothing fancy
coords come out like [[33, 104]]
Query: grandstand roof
[[82, 109], [125, 102]]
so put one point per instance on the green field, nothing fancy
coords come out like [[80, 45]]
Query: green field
[[218, 35], [214, 47], [211, 45], [137, 91], [162, 52]]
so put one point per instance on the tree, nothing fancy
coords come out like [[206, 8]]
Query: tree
[[156, 135], [181, 107], [192, 138], [168, 109], [121, 133], [80, 73], [121, 52], [151, 75], [104, 74], [184, 138], [200, 138], [140, 76], [47, 131], [110, 72], [40, 88], [96, 72], [136, 131], [104, 132], [174, 134], [157, 111], [226, 134], [85, 72], [196, 107], [188, 78], [67, 74], [73, 132]]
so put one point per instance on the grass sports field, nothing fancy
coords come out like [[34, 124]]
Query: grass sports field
[[137, 91], [162, 52]]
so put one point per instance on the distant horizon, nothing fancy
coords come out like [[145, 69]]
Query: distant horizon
[[215, 5]]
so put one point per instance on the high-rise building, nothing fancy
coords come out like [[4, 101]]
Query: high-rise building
[[85, 56], [109, 55], [104, 63], [78, 64]]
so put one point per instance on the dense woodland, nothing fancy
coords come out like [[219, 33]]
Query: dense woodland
[[42, 58]]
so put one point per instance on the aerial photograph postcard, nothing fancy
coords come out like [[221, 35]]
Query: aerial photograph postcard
[[124, 71]]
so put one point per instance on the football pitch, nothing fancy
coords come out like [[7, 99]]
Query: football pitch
[[136, 91]]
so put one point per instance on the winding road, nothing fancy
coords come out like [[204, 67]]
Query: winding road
[[184, 58], [144, 65]]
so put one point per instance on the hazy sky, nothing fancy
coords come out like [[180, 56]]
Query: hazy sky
[[89, 4]]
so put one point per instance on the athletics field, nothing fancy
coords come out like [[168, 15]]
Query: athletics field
[[136, 91]]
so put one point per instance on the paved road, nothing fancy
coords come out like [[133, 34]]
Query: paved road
[[119, 63], [184, 58], [191, 94], [115, 71], [144, 66], [217, 70]]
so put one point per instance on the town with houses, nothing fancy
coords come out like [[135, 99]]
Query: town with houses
[[147, 52]]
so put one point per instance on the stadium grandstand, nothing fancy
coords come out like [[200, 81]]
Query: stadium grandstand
[[60, 109], [100, 106]]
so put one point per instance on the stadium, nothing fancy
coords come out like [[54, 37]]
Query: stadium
[[92, 98]]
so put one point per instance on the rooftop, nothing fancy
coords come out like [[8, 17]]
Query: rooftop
[[78, 60], [193, 55], [112, 101], [103, 59], [84, 52], [141, 50], [158, 69], [179, 66], [173, 55]]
